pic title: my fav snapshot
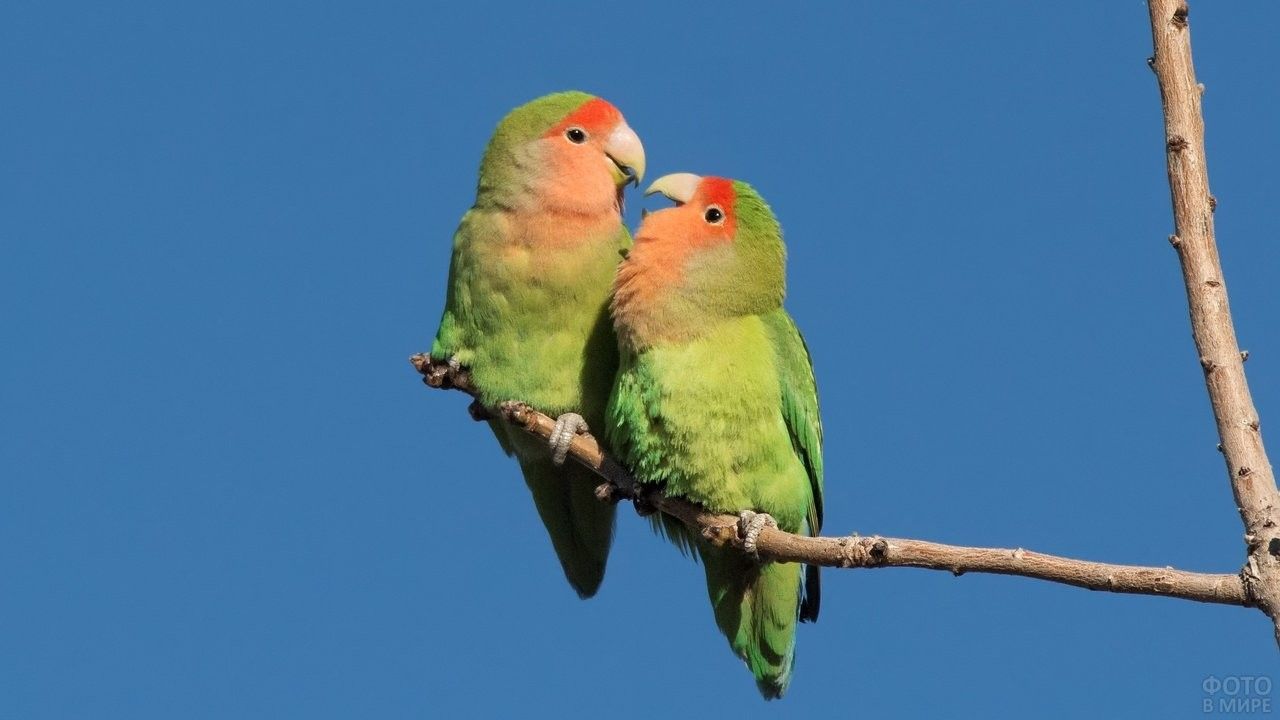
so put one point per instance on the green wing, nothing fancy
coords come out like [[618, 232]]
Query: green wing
[[799, 404], [804, 422]]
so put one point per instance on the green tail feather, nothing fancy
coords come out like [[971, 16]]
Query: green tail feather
[[580, 526], [755, 606]]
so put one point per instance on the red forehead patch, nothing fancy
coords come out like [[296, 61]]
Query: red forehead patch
[[595, 116], [718, 190]]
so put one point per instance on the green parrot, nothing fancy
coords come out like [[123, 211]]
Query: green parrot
[[716, 402], [527, 305]]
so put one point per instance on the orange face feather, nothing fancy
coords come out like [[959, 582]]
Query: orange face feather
[[576, 178], [668, 238], [665, 242]]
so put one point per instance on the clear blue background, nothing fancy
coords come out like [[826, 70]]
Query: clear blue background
[[225, 227]]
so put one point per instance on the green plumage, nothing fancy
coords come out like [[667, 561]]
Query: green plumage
[[719, 405], [529, 317]]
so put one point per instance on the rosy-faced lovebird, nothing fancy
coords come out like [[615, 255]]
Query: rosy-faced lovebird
[[527, 305], [715, 402]]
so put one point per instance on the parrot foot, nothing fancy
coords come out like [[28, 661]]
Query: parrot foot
[[568, 426], [749, 526], [434, 373]]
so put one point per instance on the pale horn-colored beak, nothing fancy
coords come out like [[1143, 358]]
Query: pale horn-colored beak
[[680, 187], [627, 155]]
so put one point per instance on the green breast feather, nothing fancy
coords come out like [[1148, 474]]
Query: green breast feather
[[532, 324], [730, 421]]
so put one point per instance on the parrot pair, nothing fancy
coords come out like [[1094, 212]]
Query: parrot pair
[[678, 348]]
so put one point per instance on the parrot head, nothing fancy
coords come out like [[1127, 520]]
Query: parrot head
[[717, 254], [569, 152]]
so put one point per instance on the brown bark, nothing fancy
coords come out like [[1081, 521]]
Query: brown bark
[[855, 552], [1252, 481]]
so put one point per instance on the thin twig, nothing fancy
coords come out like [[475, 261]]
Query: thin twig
[[1252, 481], [855, 552]]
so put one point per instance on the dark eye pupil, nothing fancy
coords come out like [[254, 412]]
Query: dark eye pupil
[[714, 215], [576, 135]]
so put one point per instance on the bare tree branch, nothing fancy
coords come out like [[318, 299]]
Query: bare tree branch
[[853, 552], [1252, 481]]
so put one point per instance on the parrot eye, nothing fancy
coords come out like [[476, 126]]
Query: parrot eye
[[576, 135], [714, 215]]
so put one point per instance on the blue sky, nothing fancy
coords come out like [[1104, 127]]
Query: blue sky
[[226, 226]]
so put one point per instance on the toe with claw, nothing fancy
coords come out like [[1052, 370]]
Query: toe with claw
[[749, 526], [437, 373], [567, 427]]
